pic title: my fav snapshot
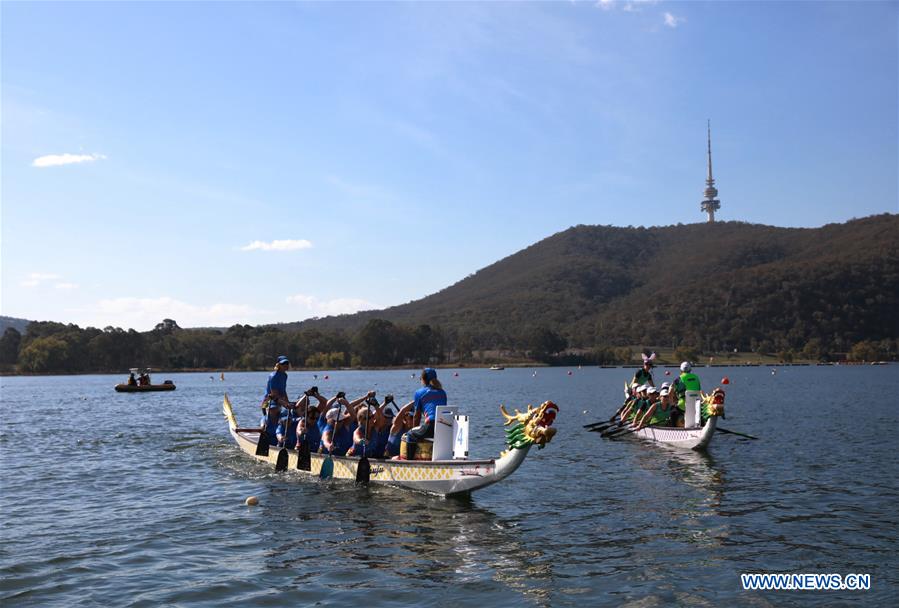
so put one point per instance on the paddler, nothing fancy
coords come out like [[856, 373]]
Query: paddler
[[308, 429], [636, 405], [688, 388], [399, 425], [659, 411], [424, 410], [273, 424]]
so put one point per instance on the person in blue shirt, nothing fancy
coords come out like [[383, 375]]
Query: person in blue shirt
[[424, 409], [276, 387], [273, 424], [309, 425], [397, 427]]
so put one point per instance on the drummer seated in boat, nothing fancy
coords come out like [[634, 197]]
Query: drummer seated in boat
[[424, 409]]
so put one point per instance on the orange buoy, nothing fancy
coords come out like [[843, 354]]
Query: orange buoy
[[725, 380]]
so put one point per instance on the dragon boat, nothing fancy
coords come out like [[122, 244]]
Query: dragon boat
[[450, 471], [693, 438]]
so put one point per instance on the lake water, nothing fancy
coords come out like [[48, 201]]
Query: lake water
[[138, 499]]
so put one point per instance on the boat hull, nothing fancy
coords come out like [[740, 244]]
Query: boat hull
[[691, 439], [125, 388], [440, 477]]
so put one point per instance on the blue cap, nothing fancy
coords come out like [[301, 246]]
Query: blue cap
[[430, 374], [282, 360]]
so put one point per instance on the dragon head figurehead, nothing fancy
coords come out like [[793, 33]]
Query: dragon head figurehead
[[713, 404], [532, 426]]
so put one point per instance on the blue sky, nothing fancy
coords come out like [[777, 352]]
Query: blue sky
[[226, 162]]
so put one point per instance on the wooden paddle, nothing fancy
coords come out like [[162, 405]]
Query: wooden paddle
[[720, 430], [283, 454], [327, 470]]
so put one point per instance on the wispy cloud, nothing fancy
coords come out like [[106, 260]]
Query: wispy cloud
[[56, 160], [311, 306], [673, 21], [37, 278], [278, 245], [66, 286]]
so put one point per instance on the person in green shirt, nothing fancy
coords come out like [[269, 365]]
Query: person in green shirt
[[688, 388], [644, 374]]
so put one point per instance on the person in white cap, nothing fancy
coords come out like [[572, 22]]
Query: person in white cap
[[688, 388], [636, 406], [659, 412]]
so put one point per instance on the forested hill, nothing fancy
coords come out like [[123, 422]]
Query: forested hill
[[709, 286]]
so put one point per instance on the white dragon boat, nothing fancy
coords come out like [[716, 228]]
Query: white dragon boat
[[697, 438], [451, 472], [693, 439]]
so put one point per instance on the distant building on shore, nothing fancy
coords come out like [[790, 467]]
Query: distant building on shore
[[711, 204]]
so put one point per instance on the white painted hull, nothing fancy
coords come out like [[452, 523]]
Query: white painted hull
[[692, 439], [441, 477]]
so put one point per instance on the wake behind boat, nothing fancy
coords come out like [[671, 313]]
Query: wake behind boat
[[449, 473]]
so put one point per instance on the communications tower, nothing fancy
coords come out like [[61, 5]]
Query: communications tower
[[711, 204]]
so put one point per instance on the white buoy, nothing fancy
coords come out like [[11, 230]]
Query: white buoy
[[251, 501]]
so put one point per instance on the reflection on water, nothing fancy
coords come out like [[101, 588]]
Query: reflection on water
[[153, 510], [374, 536]]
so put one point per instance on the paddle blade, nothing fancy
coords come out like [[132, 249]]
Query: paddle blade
[[363, 471], [281, 464], [262, 444], [304, 458], [327, 468]]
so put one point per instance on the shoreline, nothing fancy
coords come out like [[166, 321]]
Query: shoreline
[[219, 370]]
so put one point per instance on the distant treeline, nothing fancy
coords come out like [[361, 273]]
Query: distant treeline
[[48, 347]]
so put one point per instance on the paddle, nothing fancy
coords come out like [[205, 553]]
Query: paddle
[[363, 470], [304, 454], [720, 430], [262, 444], [283, 454], [327, 470]]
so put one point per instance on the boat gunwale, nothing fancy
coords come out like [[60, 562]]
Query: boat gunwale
[[423, 463]]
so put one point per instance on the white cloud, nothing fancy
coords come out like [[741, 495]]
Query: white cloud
[[145, 313], [313, 307], [672, 21], [66, 286], [36, 278], [606, 5], [56, 160], [278, 245]]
